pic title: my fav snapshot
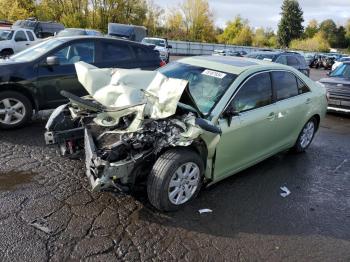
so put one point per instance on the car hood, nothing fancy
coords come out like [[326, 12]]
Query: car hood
[[121, 88], [335, 81]]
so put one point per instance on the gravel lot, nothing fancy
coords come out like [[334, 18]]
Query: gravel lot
[[48, 213]]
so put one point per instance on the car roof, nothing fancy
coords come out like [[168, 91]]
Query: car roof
[[229, 64], [77, 37]]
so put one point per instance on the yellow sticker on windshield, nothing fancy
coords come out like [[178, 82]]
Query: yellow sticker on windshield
[[213, 73]]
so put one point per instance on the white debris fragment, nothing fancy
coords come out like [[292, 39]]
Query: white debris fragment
[[285, 190], [205, 210], [40, 227]]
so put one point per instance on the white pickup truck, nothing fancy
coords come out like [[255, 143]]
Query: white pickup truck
[[15, 40]]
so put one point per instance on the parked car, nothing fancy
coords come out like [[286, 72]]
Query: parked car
[[15, 40], [34, 78], [5, 24], [309, 58], [328, 61], [193, 122], [227, 52], [129, 32], [161, 44], [78, 31], [340, 62], [338, 87], [41, 29], [292, 59]]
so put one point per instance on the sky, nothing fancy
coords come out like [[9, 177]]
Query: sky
[[265, 13]]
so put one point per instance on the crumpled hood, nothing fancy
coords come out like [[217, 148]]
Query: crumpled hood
[[115, 88], [335, 81]]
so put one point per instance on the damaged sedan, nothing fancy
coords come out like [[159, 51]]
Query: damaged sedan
[[191, 123]]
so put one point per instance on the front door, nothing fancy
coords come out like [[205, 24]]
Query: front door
[[251, 135], [53, 79], [21, 41]]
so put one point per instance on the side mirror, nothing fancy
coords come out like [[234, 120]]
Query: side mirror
[[229, 113], [170, 46], [52, 61]]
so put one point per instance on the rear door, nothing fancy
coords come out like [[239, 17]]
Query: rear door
[[251, 135], [115, 54], [294, 100]]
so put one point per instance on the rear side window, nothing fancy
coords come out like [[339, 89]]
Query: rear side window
[[282, 60], [30, 35], [144, 54], [114, 52], [292, 61], [302, 87], [285, 85], [255, 93], [20, 36]]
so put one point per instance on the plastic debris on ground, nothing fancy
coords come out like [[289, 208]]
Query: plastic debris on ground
[[285, 190], [205, 210]]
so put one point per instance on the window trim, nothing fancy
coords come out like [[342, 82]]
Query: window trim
[[274, 100]]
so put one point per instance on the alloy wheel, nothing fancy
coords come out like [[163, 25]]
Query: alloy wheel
[[307, 134], [184, 183], [12, 111]]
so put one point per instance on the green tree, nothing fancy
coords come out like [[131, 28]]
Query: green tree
[[311, 29], [17, 9], [329, 28], [318, 43], [232, 30], [290, 26]]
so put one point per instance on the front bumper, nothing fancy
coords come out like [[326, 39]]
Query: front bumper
[[339, 104]]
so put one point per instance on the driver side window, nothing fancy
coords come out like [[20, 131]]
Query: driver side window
[[254, 93], [76, 52]]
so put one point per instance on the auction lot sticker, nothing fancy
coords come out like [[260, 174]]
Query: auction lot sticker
[[213, 73]]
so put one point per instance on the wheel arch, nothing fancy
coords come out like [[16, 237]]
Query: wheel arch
[[21, 90]]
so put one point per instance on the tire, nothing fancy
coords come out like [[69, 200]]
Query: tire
[[165, 170], [15, 110], [306, 136], [6, 53]]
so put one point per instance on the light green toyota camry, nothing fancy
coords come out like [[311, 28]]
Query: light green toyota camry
[[187, 125]]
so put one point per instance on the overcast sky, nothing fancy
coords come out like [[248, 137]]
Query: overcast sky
[[265, 13]]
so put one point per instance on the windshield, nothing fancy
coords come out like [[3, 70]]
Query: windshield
[[157, 42], [6, 34], [206, 86], [341, 71], [36, 51]]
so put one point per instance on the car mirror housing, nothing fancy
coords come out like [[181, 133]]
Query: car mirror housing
[[229, 113], [52, 61]]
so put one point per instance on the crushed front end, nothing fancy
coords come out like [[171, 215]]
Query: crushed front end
[[121, 140]]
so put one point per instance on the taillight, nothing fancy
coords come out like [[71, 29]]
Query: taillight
[[162, 63]]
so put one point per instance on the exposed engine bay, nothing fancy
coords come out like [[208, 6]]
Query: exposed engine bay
[[129, 118]]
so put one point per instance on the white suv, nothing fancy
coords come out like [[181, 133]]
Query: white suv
[[15, 40], [161, 45]]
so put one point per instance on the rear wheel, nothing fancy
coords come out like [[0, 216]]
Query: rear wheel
[[175, 179], [15, 110], [306, 136]]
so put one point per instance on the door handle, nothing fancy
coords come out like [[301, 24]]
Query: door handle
[[308, 101], [271, 116]]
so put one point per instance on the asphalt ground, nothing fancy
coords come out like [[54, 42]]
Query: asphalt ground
[[47, 212]]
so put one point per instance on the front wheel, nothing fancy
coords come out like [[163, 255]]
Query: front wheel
[[15, 110], [175, 179], [306, 136]]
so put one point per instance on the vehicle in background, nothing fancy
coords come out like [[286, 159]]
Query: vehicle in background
[[78, 31], [340, 61], [161, 45], [34, 78], [129, 32], [227, 52], [309, 58], [15, 40], [207, 118], [328, 61], [41, 29], [292, 59], [338, 87], [5, 24]]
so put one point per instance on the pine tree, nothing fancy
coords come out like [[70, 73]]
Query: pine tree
[[290, 26]]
